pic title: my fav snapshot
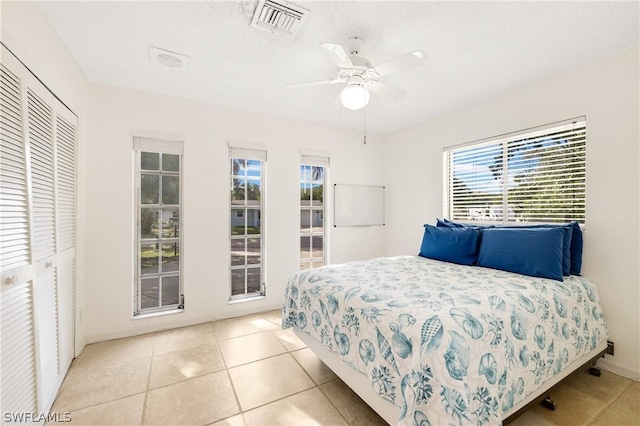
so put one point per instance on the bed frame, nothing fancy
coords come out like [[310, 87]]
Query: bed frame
[[360, 384]]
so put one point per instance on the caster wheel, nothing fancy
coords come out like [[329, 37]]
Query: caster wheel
[[549, 404]]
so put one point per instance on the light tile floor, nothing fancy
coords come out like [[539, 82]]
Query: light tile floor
[[248, 371]]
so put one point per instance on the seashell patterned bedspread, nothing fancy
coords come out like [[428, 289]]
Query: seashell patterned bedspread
[[448, 344]]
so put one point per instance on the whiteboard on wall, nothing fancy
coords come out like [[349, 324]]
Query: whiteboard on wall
[[358, 205]]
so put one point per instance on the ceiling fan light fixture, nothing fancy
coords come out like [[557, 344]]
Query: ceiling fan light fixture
[[354, 96]]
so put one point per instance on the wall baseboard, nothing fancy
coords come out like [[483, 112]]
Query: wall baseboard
[[610, 365], [147, 329]]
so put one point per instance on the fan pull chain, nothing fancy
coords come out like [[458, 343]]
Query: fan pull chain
[[364, 115]]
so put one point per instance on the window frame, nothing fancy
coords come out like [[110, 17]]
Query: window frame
[[322, 161], [238, 153], [160, 147], [508, 146]]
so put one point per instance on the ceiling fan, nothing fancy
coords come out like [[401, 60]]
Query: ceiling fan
[[360, 78]]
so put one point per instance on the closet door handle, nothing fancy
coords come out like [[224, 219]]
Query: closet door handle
[[49, 264], [12, 280]]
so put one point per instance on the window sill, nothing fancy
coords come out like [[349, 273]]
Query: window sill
[[246, 299], [158, 314]]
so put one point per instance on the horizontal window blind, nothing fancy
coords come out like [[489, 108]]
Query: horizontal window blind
[[248, 151], [158, 145], [314, 158], [536, 175]]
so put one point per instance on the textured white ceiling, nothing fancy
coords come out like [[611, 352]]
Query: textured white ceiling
[[475, 50]]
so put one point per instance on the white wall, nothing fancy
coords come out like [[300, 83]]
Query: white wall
[[206, 128], [27, 33], [607, 93]]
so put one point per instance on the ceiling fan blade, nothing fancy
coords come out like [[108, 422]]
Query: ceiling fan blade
[[338, 55], [387, 91], [336, 105], [406, 61], [316, 83]]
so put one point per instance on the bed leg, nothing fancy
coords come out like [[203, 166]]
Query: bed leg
[[594, 371], [548, 403]]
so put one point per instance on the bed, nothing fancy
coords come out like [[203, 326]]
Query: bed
[[424, 341]]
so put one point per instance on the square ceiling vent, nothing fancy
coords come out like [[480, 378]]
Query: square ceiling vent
[[280, 17]]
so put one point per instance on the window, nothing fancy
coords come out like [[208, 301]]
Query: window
[[312, 226], [247, 225], [536, 175], [158, 212]]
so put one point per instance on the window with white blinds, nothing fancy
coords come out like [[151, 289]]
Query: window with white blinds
[[537, 175]]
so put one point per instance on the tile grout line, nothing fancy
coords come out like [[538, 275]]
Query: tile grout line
[[609, 405], [286, 396], [302, 367], [186, 380], [225, 367], [233, 388], [287, 351], [331, 402], [279, 399], [106, 401], [319, 384], [146, 391], [259, 330], [257, 360], [235, 337]]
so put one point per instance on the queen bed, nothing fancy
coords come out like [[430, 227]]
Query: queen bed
[[425, 341]]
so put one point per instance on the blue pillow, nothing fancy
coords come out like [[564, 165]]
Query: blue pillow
[[576, 248], [445, 223], [456, 245], [536, 252], [572, 247], [566, 242], [566, 250]]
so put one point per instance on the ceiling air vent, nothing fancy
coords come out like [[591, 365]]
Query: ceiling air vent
[[167, 58], [281, 17]]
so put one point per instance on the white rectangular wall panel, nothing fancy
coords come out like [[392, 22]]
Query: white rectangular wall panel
[[358, 205]]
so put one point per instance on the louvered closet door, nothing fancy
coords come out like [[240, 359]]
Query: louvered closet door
[[40, 140], [38, 239], [65, 143], [18, 353]]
